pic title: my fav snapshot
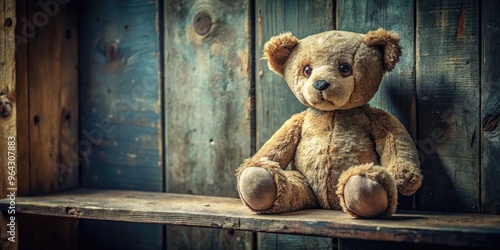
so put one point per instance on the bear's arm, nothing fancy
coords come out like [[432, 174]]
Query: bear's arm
[[396, 150], [281, 146]]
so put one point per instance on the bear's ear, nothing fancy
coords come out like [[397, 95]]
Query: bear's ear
[[277, 50], [389, 43]]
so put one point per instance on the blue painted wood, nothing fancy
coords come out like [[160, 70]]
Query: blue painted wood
[[490, 108], [396, 94], [207, 109], [448, 99], [275, 102], [120, 113]]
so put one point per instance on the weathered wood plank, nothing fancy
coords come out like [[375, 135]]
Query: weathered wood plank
[[207, 107], [275, 103], [490, 108], [396, 94], [397, 90], [228, 213], [47, 32], [8, 118], [447, 72], [22, 107], [120, 96], [121, 115], [53, 97]]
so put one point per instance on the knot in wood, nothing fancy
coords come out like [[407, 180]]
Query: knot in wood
[[490, 123], [202, 23], [5, 106], [111, 52], [8, 22]]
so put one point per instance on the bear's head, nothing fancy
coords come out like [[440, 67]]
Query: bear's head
[[333, 70]]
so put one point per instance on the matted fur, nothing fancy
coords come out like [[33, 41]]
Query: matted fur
[[333, 140], [390, 43], [277, 50]]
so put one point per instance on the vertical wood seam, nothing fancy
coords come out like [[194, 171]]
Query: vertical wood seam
[[479, 125], [414, 122]]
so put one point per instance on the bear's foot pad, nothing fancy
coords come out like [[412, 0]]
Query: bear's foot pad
[[257, 188], [365, 197]]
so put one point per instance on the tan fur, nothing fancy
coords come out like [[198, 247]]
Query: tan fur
[[339, 136], [277, 50]]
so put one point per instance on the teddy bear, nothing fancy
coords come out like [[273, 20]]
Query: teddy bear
[[341, 152]]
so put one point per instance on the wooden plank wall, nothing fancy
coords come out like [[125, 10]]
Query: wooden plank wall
[[47, 123], [8, 114], [121, 113], [397, 93], [275, 103], [207, 108], [448, 100], [490, 107], [444, 91]]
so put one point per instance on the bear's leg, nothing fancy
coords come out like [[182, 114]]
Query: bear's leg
[[367, 191], [270, 190]]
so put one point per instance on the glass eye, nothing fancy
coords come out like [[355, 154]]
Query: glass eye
[[345, 69], [308, 71]]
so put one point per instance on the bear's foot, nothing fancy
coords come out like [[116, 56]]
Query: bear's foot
[[365, 197], [257, 188], [367, 191]]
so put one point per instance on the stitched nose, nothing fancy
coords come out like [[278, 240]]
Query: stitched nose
[[320, 85]]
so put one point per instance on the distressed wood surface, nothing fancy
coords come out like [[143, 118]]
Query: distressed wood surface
[[120, 100], [121, 112], [396, 94], [490, 108], [228, 213], [22, 107], [447, 72], [207, 108], [274, 101], [47, 48], [53, 97], [9, 117]]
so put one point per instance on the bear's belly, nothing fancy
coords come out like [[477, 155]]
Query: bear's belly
[[321, 159]]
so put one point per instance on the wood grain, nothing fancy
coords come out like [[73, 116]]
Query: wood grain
[[8, 124], [53, 98], [121, 113], [207, 108], [228, 213], [48, 81], [490, 108], [396, 94], [22, 107], [121, 117], [275, 102], [447, 72]]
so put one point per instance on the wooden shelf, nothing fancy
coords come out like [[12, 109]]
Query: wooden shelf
[[229, 213]]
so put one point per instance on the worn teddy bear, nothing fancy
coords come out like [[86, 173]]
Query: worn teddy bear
[[342, 152]]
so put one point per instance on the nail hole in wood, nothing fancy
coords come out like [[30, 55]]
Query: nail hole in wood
[[8, 22], [36, 119]]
